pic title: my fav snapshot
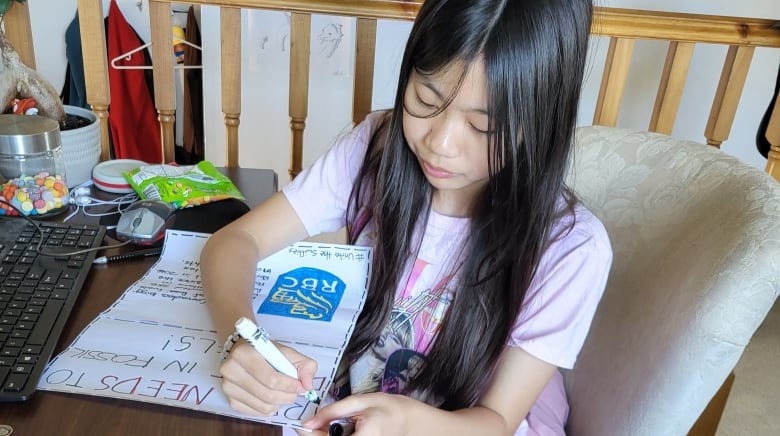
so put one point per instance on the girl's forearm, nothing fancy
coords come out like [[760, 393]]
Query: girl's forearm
[[428, 420], [228, 266], [229, 259], [396, 414]]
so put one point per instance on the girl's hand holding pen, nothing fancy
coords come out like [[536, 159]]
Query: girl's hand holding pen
[[373, 414], [254, 387]]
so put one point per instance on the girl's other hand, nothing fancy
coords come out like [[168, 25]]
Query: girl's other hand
[[254, 387], [373, 414]]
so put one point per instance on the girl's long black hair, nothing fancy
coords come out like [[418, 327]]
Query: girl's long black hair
[[534, 53]]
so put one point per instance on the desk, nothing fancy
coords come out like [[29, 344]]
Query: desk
[[54, 413]]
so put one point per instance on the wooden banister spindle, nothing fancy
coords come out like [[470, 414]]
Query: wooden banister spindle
[[18, 31], [613, 81], [300, 43], [773, 136], [230, 31], [164, 85], [93, 43], [724, 105], [670, 89], [365, 48]]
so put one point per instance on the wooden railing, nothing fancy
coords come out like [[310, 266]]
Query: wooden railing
[[684, 31], [622, 26]]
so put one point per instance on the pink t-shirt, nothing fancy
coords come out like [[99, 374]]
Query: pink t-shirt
[[552, 325]]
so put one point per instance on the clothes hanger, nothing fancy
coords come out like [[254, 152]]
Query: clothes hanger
[[128, 55]]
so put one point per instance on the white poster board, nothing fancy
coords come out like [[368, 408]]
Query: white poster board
[[157, 343]]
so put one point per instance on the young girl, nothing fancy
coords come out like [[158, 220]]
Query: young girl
[[486, 271]]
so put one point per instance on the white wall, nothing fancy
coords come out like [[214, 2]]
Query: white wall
[[265, 122]]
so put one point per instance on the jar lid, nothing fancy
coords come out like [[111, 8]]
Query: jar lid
[[109, 175], [28, 134]]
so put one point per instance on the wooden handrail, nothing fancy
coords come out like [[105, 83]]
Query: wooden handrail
[[377, 9], [681, 27], [622, 23]]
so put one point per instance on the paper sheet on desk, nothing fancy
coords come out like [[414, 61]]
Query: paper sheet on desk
[[157, 344]]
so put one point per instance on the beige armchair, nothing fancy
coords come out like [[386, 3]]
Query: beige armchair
[[696, 269]]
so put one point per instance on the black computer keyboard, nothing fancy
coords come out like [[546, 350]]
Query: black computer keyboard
[[37, 294]]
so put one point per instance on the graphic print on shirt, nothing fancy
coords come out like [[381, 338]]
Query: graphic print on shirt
[[399, 352], [307, 293]]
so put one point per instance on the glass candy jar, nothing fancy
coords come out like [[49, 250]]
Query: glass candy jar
[[32, 166]]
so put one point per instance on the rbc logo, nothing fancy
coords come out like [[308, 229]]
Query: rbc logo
[[306, 293]]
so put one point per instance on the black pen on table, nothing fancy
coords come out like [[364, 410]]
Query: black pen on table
[[129, 255]]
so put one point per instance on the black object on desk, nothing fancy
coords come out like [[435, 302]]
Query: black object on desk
[[129, 255], [206, 218], [209, 217]]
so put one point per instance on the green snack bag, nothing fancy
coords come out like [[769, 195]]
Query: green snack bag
[[182, 186]]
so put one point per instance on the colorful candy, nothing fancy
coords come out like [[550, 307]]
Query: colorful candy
[[40, 194]]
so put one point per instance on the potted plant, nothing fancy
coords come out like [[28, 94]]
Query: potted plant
[[80, 132]]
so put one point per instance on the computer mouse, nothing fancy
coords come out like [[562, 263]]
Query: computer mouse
[[144, 222]]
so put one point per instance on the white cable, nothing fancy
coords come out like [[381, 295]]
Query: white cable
[[80, 197], [72, 214]]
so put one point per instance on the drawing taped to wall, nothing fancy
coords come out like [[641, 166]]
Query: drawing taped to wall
[[268, 35], [330, 38]]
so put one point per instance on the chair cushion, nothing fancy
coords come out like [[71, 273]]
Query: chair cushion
[[696, 269]]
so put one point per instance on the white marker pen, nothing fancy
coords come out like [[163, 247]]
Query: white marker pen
[[258, 338]]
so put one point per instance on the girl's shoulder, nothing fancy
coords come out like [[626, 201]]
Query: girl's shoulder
[[377, 117], [355, 141], [373, 122], [579, 227], [566, 289], [347, 151]]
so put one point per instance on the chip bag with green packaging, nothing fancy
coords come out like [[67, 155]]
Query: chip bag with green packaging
[[182, 186]]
